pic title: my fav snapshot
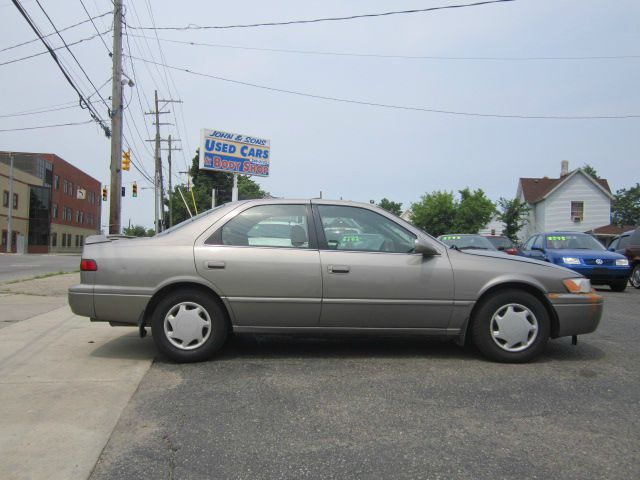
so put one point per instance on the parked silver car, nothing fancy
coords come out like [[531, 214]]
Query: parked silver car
[[317, 266]]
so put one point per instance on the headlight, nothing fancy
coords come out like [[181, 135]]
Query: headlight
[[578, 285], [622, 262], [571, 260]]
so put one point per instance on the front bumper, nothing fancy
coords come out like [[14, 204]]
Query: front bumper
[[577, 313], [599, 275]]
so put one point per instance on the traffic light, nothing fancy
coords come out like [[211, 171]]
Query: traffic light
[[126, 160], [104, 194], [134, 190]]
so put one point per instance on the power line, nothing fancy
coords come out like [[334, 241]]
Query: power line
[[378, 55], [50, 34], [94, 26], [45, 126], [83, 102], [72, 54], [400, 107], [192, 26], [55, 49]]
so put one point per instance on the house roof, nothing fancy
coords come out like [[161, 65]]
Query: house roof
[[536, 189], [611, 230]]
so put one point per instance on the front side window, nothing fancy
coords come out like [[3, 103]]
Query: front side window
[[577, 211], [537, 242], [282, 226], [359, 229], [624, 241]]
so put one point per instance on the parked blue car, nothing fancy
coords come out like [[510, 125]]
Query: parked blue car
[[582, 253]]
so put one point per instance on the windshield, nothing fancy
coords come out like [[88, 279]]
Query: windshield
[[470, 242], [189, 220], [573, 241]]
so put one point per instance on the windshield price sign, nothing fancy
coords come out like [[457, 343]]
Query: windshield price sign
[[234, 153]]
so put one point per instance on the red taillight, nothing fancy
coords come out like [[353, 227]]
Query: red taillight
[[88, 265]]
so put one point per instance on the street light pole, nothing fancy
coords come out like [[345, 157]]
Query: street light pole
[[10, 216]]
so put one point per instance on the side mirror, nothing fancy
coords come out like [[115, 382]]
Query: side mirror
[[425, 249], [611, 249]]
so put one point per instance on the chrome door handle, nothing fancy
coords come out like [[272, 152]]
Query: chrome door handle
[[213, 265], [339, 268]]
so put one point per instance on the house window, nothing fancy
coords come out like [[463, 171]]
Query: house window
[[577, 211], [15, 200], [54, 211], [5, 198], [92, 197], [56, 182], [54, 239]]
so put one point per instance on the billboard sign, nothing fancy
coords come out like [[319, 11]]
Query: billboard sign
[[234, 153]]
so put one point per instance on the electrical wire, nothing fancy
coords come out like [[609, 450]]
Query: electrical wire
[[378, 55], [83, 102], [50, 34], [400, 107], [45, 126], [95, 27], [51, 108], [86, 39], [192, 26]]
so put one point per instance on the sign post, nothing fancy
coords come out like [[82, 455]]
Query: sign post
[[234, 153]]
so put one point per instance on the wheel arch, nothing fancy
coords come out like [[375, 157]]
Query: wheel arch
[[512, 285], [183, 285]]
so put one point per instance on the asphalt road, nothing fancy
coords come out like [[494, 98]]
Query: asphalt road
[[17, 267], [286, 408]]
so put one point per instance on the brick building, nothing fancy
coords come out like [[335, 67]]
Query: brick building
[[63, 202]]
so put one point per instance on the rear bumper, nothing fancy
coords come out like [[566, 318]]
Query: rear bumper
[[81, 300], [577, 313]]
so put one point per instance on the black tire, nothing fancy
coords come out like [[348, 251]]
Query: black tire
[[211, 311], [525, 306], [618, 286], [635, 276]]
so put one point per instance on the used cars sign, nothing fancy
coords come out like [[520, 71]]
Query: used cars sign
[[234, 153]]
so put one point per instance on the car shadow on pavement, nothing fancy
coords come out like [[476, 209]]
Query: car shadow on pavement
[[128, 346]]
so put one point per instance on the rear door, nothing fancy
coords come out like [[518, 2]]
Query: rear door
[[265, 262], [371, 278]]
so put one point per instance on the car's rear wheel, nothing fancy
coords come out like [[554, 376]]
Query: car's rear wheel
[[189, 326], [635, 276], [511, 326], [619, 286]]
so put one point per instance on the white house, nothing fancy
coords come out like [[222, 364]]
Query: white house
[[574, 202]]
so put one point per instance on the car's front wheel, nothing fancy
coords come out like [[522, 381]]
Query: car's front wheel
[[619, 286], [511, 326], [635, 276], [189, 326]]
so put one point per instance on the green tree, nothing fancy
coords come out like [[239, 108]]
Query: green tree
[[514, 215], [392, 207], [136, 231], [434, 213], [202, 183], [589, 170], [626, 206], [473, 211]]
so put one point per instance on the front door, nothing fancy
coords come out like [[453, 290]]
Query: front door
[[265, 264], [372, 278]]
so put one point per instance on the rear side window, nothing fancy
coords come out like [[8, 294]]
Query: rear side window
[[283, 226], [359, 229]]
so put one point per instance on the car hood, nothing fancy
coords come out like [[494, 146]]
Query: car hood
[[515, 258], [587, 254]]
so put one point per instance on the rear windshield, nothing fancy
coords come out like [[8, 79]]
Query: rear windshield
[[498, 242], [469, 242]]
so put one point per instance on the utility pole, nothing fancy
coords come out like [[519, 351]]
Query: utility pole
[[158, 180], [170, 149], [116, 122], [10, 216]]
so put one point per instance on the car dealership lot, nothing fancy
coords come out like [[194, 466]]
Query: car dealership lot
[[282, 407]]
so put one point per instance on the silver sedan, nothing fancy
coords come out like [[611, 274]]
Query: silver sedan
[[324, 267]]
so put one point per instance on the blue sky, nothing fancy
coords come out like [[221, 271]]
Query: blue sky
[[344, 150]]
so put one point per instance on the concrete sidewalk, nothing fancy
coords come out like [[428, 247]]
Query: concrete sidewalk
[[63, 384]]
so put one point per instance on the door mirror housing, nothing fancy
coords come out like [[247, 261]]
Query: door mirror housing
[[425, 249]]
